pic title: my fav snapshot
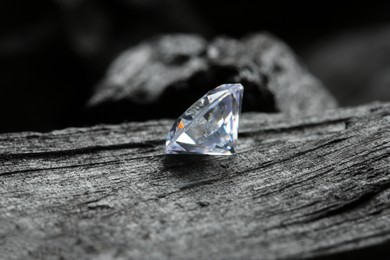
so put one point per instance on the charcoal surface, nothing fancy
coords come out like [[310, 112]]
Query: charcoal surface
[[308, 187], [164, 76]]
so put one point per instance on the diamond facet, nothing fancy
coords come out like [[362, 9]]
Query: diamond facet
[[210, 125]]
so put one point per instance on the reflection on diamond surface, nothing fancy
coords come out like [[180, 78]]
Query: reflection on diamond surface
[[210, 125]]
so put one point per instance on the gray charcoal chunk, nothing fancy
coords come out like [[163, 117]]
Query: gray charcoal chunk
[[164, 76]]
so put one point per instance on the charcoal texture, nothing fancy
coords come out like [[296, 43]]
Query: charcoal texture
[[162, 77], [309, 187]]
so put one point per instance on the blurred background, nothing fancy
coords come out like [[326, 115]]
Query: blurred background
[[54, 52]]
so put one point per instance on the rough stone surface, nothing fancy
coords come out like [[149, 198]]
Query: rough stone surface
[[309, 187], [159, 78]]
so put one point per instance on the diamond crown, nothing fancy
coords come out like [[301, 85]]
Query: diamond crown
[[210, 125]]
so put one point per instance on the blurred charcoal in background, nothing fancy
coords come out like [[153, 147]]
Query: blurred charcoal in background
[[55, 52]]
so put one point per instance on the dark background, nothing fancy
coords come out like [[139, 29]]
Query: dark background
[[53, 52]]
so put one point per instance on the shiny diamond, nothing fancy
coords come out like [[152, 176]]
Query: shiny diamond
[[210, 125]]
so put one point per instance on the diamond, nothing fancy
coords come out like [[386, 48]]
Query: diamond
[[210, 125]]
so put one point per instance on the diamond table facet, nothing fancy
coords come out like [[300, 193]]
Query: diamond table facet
[[210, 125]]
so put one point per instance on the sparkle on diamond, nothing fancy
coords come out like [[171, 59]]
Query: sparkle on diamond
[[210, 125]]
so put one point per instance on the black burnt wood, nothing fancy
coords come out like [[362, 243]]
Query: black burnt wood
[[159, 78], [304, 187]]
